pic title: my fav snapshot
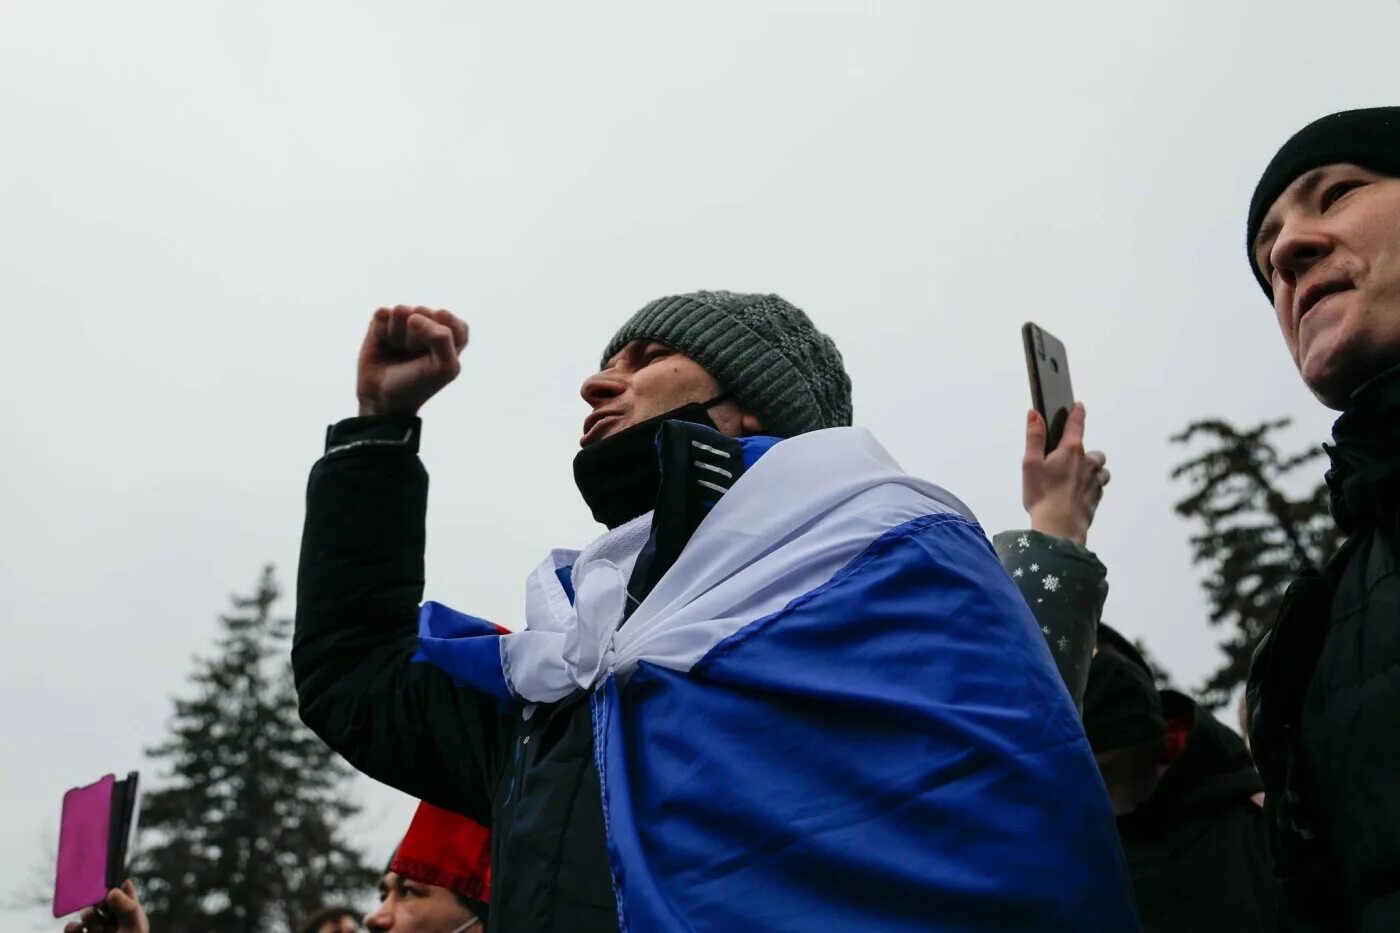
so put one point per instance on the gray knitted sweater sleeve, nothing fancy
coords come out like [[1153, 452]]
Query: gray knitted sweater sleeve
[[1065, 586]]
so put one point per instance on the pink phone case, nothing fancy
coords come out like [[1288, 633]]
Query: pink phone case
[[82, 847]]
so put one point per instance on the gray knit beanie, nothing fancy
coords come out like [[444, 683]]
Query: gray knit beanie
[[762, 350]]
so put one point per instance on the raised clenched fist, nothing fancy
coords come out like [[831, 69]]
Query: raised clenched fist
[[408, 355]]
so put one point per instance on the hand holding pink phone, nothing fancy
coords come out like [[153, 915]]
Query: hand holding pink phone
[[96, 828]]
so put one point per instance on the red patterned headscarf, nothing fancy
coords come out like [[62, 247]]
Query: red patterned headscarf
[[447, 850]]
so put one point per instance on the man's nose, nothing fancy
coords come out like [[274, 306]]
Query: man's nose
[[602, 386], [1299, 247], [379, 920]]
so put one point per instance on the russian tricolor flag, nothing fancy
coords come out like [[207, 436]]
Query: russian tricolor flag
[[834, 711]]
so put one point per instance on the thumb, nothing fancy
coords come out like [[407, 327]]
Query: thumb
[[122, 902], [438, 339], [1035, 436]]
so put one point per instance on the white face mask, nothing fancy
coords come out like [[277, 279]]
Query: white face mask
[[468, 925]]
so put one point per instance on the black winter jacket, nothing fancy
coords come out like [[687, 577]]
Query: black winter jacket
[[1198, 850], [1325, 694], [532, 781]]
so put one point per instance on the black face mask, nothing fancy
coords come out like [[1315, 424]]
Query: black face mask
[[620, 475]]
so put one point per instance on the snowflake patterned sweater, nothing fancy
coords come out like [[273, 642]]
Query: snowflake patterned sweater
[[1065, 586]]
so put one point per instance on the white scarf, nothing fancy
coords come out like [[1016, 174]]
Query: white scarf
[[805, 510]]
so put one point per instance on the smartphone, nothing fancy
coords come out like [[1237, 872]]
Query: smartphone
[[94, 839], [1048, 367]]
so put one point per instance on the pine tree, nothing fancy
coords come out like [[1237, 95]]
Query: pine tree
[[244, 832], [1254, 536]]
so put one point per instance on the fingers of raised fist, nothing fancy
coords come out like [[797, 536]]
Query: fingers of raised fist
[[455, 326], [408, 328], [409, 354], [426, 334], [396, 329]]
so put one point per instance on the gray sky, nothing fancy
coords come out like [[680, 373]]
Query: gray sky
[[202, 204]]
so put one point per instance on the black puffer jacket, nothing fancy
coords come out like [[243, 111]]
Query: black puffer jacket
[[527, 775], [1198, 850], [1325, 694], [358, 589]]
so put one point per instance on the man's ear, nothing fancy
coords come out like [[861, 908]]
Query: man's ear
[[750, 424]]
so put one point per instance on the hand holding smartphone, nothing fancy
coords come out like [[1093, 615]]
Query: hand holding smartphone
[[94, 838], [1060, 488]]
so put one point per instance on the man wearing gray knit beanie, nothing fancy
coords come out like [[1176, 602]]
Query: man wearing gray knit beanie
[[789, 681], [760, 348], [1323, 232]]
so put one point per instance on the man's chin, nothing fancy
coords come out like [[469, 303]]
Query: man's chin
[[1329, 390], [1333, 372]]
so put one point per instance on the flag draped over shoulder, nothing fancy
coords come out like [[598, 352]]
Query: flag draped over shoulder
[[834, 710]]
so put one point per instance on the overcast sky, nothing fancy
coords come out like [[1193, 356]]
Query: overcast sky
[[203, 202]]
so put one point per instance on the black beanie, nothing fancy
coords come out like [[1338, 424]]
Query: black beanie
[[1121, 704], [1369, 138]]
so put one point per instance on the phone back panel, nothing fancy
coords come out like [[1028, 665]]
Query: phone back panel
[[83, 837], [1048, 366]]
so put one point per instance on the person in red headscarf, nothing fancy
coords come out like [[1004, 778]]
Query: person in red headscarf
[[439, 879]]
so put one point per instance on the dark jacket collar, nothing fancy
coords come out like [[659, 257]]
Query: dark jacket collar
[[697, 465], [1364, 479]]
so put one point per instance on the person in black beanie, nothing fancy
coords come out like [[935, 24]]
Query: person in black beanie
[[1323, 234], [1124, 722], [1185, 794]]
